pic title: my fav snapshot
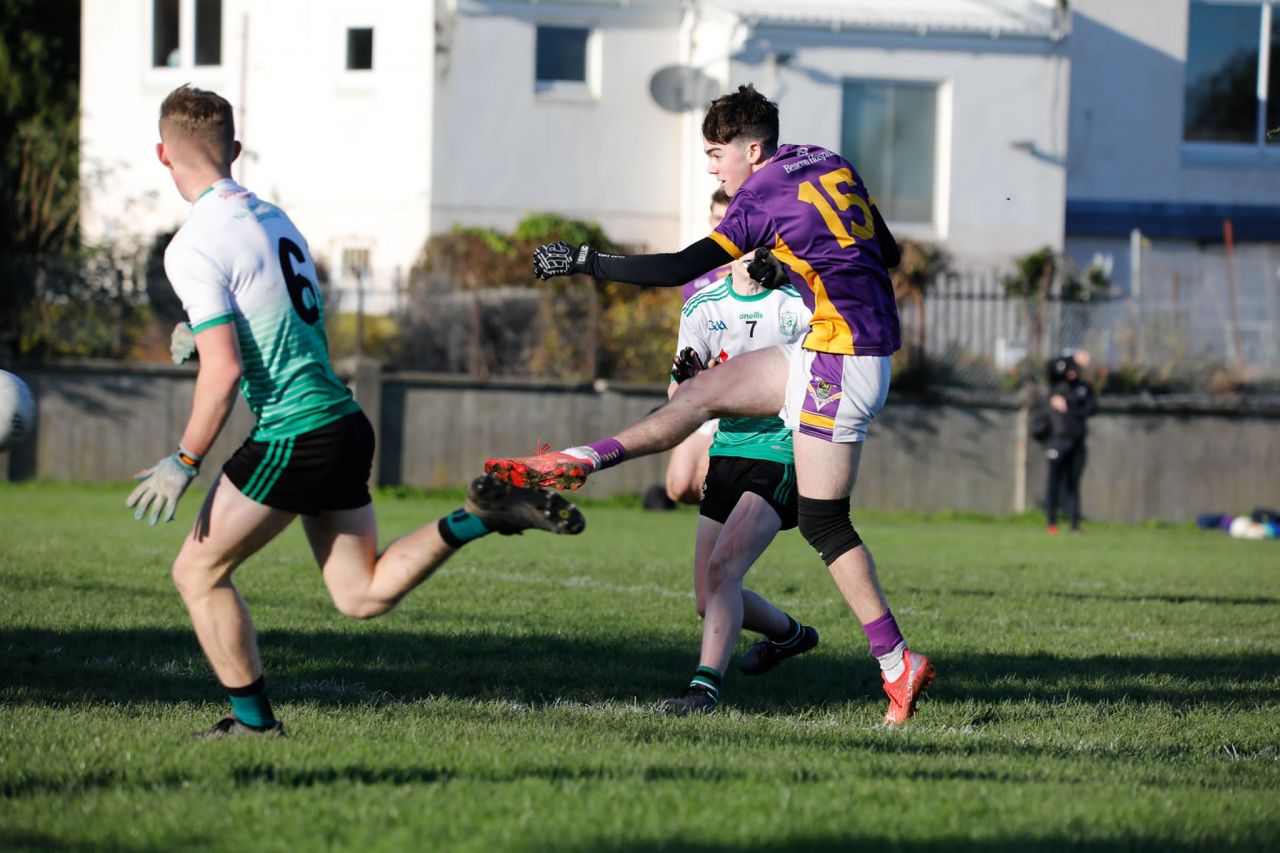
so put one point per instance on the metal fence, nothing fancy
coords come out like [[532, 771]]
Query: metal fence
[[1190, 319], [968, 332]]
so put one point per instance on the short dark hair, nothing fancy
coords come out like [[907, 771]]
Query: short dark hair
[[719, 197], [203, 117], [1056, 370], [742, 114]]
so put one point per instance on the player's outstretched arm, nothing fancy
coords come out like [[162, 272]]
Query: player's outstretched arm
[[671, 269], [163, 484]]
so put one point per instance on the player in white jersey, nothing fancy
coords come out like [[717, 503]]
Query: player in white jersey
[[247, 282], [750, 489]]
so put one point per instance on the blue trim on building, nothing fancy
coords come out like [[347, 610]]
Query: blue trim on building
[[1171, 220]]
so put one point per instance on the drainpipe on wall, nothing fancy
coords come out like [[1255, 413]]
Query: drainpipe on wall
[[244, 95]]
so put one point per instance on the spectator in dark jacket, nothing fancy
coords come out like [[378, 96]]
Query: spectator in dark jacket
[[1071, 403]]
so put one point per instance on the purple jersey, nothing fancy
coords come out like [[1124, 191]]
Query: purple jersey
[[691, 287], [811, 208]]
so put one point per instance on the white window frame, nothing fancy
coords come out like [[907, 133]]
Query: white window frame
[[1238, 154], [186, 66], [571, 91], [939, 224]]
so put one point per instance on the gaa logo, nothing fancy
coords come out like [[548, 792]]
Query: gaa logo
[[717, 326]]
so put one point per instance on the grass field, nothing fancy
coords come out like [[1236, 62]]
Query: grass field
[[1119, 690]]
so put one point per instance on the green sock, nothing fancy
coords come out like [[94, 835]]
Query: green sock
[[708, 677], [460, 527], [251, 705]]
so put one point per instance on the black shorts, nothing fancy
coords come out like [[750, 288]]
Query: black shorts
[[325, 469], [731, 477]]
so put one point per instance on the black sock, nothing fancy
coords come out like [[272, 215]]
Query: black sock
[[792, 634]]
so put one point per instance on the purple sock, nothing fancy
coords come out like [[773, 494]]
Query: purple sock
[[610, 451], [883, 634]]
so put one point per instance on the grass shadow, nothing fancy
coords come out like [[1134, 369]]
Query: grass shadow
[[334, 668]]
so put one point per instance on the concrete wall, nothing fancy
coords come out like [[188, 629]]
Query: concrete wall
[[439, 432], [1171, 462]]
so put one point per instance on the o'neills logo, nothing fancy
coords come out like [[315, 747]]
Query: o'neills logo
[[754, 315]]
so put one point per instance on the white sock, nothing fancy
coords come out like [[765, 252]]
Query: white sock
[[585, 453], [892, 663]]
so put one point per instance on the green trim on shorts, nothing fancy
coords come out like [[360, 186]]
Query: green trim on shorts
[[782, 494], [269, 469], [275, 475]]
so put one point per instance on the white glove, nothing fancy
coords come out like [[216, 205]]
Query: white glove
[[182, 343], [162, 485]]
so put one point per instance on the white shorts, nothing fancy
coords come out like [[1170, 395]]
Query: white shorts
[[834, 397]]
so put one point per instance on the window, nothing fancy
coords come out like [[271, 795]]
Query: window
[[164, 34], [1231, 73], [888, 133], [561, 57], [208, 32], [360, 48], [172, 33], [355, 263]]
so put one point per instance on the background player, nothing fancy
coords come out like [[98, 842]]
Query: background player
[[808, 209], [750, 489], [245, 278], [687, 467], [1071, 403]]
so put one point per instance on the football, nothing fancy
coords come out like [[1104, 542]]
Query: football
[[17, 410]]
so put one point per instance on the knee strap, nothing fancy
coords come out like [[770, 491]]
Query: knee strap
[[825, 525]]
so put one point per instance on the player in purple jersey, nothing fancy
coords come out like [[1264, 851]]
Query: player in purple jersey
[[813, 224], [687, 467]]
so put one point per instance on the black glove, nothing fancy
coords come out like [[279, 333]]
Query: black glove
[[767, 270], [559, 258], [686, 365]]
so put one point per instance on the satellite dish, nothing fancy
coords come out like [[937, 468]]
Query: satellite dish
[[679, 88]]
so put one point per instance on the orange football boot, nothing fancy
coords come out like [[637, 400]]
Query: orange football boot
[[548, 469], [904, 692]]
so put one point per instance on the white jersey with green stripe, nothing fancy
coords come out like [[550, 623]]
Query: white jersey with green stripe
[[719, 322], [241, 260]]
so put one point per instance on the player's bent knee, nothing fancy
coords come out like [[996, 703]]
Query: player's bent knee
[[193, 578], [825, 524], [362, 607], [718, 575]]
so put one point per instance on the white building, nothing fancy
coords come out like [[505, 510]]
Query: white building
[[377, 123], [1170, 107]]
